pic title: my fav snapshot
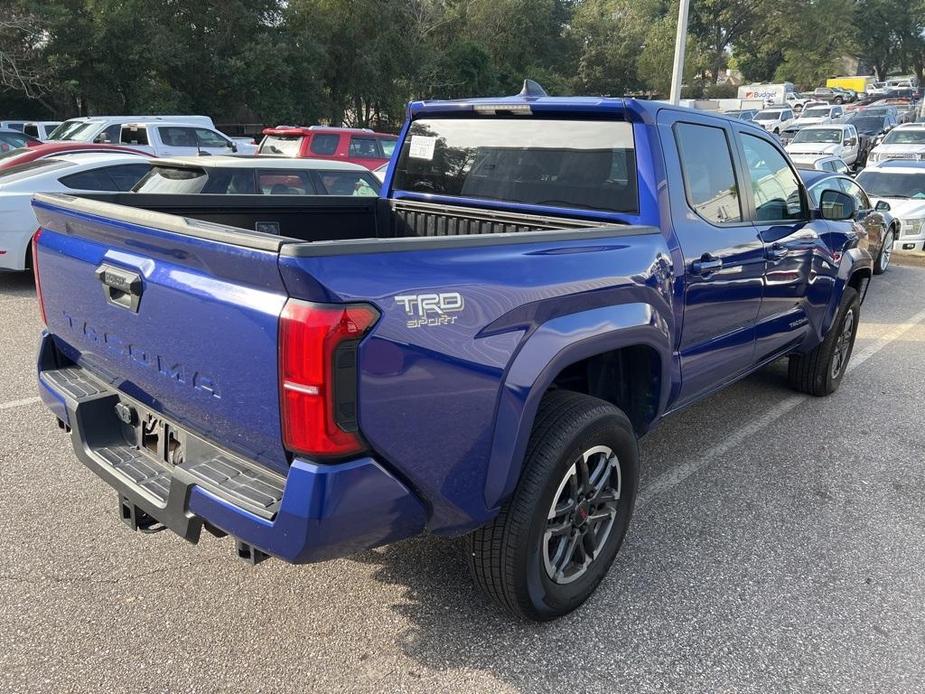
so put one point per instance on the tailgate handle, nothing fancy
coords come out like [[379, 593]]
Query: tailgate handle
[[121, 288]]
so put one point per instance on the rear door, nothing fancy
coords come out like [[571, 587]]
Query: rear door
[[776, 201], [723, 255], [365, 150], [213, 143], [197, 343]]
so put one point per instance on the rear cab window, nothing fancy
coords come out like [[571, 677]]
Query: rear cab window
[[579, 165]]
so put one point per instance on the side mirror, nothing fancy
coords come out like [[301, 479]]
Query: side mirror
[[882, 206], [837, 206], [234, 146]]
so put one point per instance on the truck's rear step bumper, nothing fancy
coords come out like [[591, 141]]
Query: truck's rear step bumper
[[319, 511]]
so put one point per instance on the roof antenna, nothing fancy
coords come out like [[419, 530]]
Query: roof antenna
[[532, 89]]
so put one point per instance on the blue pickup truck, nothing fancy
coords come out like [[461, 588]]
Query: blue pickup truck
[[476, 352]]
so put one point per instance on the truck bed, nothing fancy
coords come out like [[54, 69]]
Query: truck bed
[[331, 218]]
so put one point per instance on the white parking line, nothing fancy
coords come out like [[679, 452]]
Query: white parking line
[[672, 478], [10, 404]]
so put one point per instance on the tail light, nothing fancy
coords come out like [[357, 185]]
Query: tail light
[[35, 272], [318, 376]]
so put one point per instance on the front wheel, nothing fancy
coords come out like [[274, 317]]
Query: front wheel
[[553, 542], [886, 253], [820, 372]]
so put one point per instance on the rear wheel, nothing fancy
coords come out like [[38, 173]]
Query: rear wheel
[[820, 372], [553, 542], [886, 253]]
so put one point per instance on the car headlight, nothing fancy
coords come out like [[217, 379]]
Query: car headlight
[[912, 226]]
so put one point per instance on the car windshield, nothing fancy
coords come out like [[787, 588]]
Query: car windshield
[[287, 145], [829, 135], [768, 115], [12, 140], [579, 164], [868, 124], [816, 113], [80, 132], [910, 136], [68, 125], [881, 184]]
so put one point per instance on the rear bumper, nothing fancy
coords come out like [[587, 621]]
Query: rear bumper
[[317, 512]]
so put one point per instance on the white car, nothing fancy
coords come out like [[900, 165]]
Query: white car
[[41, 129], [816, 141], [67, 173], [902, 185], [106, 129], [177, 139], [775, 120], [830, 164], [813, 115], [906, 141]]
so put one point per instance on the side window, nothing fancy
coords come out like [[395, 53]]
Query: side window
[[787, 115], [324, 144], [841, 167], [775, 188], [271, 182], [31, 129], [364, 148], [388, 146], [109, 135], [97, 179], [134, 136], [855, 191], [178, 137], [209, 138], [709, 177], [356, 183], [125, 176]]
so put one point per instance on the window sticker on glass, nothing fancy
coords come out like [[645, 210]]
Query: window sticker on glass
[[422, 147]]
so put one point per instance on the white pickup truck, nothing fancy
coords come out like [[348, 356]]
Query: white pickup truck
[[165, 139]]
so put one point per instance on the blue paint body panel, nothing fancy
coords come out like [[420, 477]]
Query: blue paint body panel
[[446, 409]]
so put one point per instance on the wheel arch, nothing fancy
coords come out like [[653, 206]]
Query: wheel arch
[[580, 351]]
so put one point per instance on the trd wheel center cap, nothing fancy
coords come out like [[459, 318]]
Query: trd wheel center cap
[[582, 512]]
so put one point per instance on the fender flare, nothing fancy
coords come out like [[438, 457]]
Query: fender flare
[[853, 261], [555, 345]]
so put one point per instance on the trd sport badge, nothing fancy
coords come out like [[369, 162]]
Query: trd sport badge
[[424, 310]]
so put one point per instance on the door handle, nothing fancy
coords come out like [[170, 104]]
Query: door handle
[[777, 251], [706, 265], [121, 288]]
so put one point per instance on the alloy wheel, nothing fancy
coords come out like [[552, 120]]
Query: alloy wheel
[[582, 514]]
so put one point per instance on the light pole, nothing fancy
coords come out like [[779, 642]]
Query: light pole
[[680, 43]]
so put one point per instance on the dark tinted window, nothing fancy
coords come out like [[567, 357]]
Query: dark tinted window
[[125, 176], [95, 179], [364, 148], [178, 137], [359, 183], [110, 135], [324, 144], [31, 129], [284, 183], [574, 164], [775, 187], [133, 135], [709, 177]]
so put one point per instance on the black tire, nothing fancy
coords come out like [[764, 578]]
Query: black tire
[[509, 557], [886, 253], [817, 372]]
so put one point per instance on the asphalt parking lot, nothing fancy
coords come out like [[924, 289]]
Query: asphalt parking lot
[[779, 545]]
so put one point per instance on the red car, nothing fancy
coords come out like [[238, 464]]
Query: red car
[[356, 145], [22, 155]]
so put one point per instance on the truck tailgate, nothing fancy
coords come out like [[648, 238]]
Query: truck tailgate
[[184, 323]]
